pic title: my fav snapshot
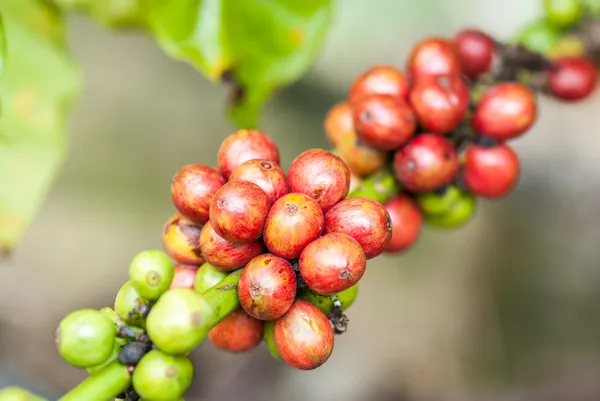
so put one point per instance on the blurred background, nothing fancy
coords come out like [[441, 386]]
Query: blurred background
[[506, 308]]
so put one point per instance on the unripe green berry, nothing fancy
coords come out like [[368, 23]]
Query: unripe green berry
[[14, 393], [325, 303], [127, 300], [113, 356], [162, 377], [208, 276], [269, 339], [85, 338], [563, 13], [151, 272], [179, 321], [540, 36], [459, 213], [438, 202]]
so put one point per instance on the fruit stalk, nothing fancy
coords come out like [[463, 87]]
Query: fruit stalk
[[102, 386]]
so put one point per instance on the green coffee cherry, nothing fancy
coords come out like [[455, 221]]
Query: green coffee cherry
[[179, 321], [113, 356], [438, 202], [14, 393], [151, 272], [563, 13], [127, 300], [269, 339], [160, 377], [208, 276], [85, 338], [540, 36], [459, 213], [325, 303]]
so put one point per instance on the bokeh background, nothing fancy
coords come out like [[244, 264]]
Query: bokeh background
[[506, 308]]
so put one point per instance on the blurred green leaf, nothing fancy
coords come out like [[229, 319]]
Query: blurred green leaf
[[111, 13], [263, 45], [39, 84]]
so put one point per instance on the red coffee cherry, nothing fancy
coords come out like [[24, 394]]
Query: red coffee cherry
[[440, 102], [380, 80], [572, 78], [244, 145], [266, 174], [184, 276], [433, 56], [475, 51], [505, 111], [384, 122], [407, 221], [267, 287], [238, 211], [226, 255], [192, 190], [304, 336], [321, 175], [427, 162], [238, 332], [332, 263], [293, 222], [490, 171], [180, 239], [363, 219]]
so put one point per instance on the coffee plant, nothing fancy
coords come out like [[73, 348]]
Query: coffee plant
[[254, 254]]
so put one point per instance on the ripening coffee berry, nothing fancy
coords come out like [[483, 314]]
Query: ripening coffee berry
[[505, 111], [151, 272], [572, 78], [304, 336], [244, 145], [127, 301], [269, 339], [184, 277], [192, 190], [179, 321], [438, 202], [490, 172], [363, 219], [264, 173], [226, 255], [384, 122], [380, 80], [440, 102], [540, 36], [339, 129], [267, 287], [238, 332], [160, 376], [475, 51], [459, 213], [238, 211], [325, 302], [321, 175], [332, 263], [563, 13], [433, 56], [426, 163], [406, 223], [180, 238], [85, 338], [293, 222], [207, 277]]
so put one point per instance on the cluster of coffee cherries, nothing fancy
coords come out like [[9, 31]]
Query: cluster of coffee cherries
[[443, 125]]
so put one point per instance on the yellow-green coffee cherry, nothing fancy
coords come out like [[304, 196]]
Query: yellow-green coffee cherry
[[438, 202], [151, 272], [161, 377], [540, 36], [563, 13], [459, 213], [208, 276]]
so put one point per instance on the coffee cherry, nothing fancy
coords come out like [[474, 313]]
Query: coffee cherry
[[321, 175], [238, 211], [426, 163], [151, 272], [380, 80], [325, 302], [439, 201], [475, 51], [179, 321], [238, 332], [572, 78], [85, 338], [224, 254], [363, 219], [384, 122], [180, 240], [14, 393], [113, 357], [563, 13], [127, 301], [490, 172], [266, 174], [192, 190], [160, 376], [244, 145], [184, 277], [267, 287], [505, 111], [207, 277], [406, 223], [304, 336], [269, 339], [332, 263], [293, 222], [440, 102], [458, 214], [433, 56], [540, 36]]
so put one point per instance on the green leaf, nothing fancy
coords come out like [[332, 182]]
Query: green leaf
[[39, 84], [263, 45]]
